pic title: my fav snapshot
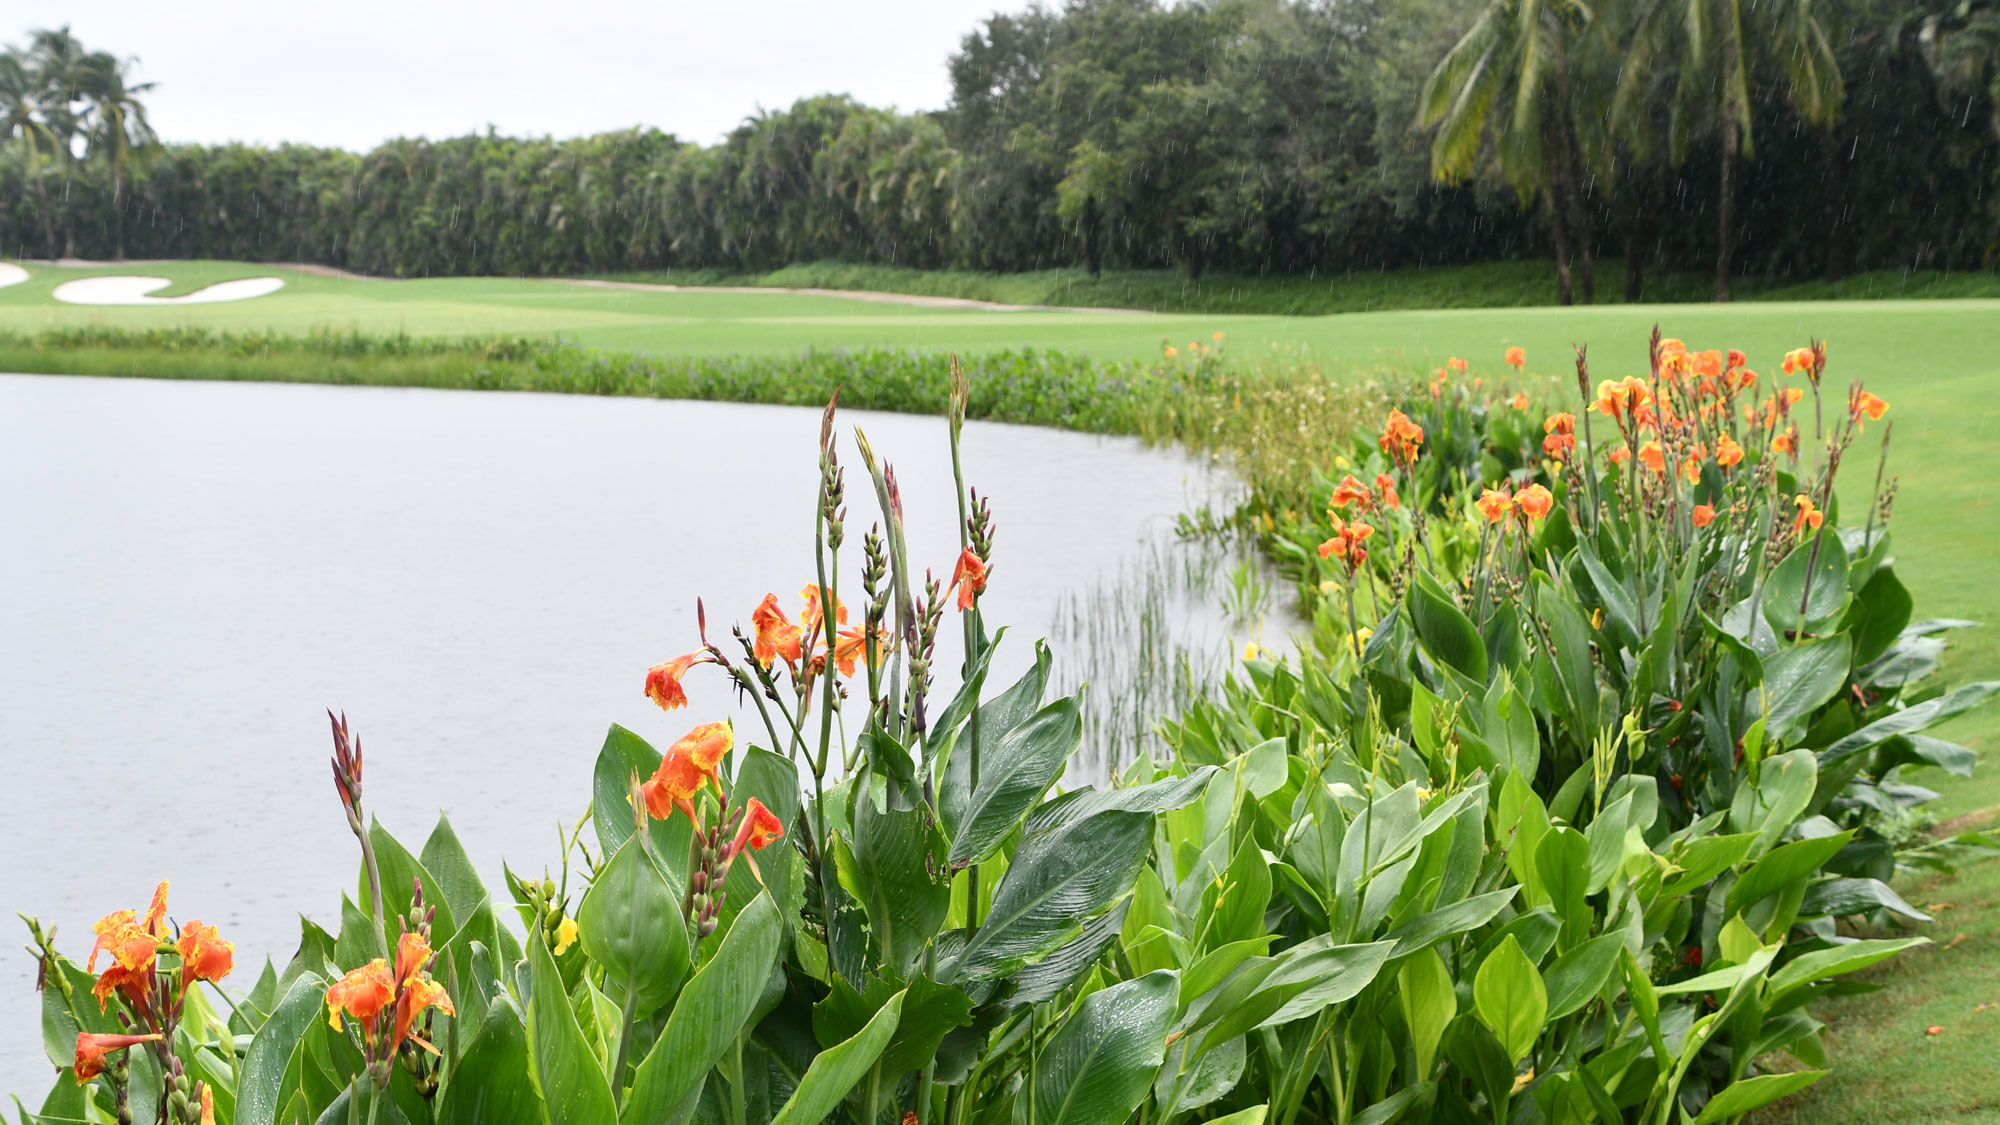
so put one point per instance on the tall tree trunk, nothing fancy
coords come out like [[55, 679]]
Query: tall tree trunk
[[1093, 251], [117, 215], [48, 214], [1558, 226], [1629, 214], [1578, 192], [69, 216], [1839, 231], [1726, 206]]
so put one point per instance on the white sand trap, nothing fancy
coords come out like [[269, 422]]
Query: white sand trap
[[133, 290], [11, 274]]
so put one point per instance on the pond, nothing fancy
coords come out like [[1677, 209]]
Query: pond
[[193, 572]]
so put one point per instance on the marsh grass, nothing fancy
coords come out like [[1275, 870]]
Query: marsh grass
[[1162, 631]]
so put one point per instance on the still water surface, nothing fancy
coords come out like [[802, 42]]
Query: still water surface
[[190, 573]]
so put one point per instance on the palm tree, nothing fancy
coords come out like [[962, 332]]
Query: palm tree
[[1516, 59], [116, 125], [1715, 47], [22, 96], [55, 57]]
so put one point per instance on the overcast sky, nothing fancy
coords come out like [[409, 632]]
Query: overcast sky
[[356, 72]]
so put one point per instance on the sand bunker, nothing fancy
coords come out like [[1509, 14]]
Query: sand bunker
[[133, 290], [11, 274]]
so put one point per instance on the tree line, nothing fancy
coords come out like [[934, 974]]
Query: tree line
[[1791, 137]]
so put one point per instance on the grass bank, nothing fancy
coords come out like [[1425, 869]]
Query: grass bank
[[1521, 284]]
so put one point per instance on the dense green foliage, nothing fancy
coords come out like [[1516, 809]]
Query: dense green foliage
[[1567, 839], [1246, 136]]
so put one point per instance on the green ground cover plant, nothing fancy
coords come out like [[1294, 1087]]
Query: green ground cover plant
[[1567, 832]]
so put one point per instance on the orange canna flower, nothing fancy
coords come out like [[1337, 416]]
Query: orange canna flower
[[1737, 359], [1534, 501], [1517, 358], [1351, 491], [1861, 403], [1620, 456], [1519, 402], [1401, 438], [1727, 451], [1707, 364], [1703, 515], [1623, 399], [968, 577], [1172, 352], [1809, 513], [690, 763], [414, 993], [760, 827], [108, 930], [850, 647], [776, 635], [1494, 504], [1799, 361], [811, 617], [1346, 543], [1457, 364], [156, 913], [1787, 442], [91, 1047], [207, 1104], [362, 993], [1385, 487], [663, 681], [1653, 458], [204, 955]]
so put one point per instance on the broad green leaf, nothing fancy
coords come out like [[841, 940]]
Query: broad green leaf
[[707, 1018], [1046, 979], [491, 1083], [1100, 1065], [1447, 921], [835, 1070], [1329, 973], [446, 860], [1057, 881], [1823, 963], [898, 875], [1784, 788], [1841, 897], [1798, 680], [272, 1049], [1562, 863], [567, 1073], [1746, 1094], [1429, 1003], [1015, 769], [1510, 999], [1617, 601], [1214, 967], [1154, 797], [1786, 588], [992, 720], [1885, 610], [400, 875], [1444, 629], [623, 755], [1239, 900], [630, 923], [1909, 720], [1581, 974], [1781, 867]]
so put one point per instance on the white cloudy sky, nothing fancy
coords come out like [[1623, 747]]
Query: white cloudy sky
[[355, 72]]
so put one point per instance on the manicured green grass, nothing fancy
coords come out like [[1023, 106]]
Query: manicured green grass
[[1887, 1067], [1486, 285], [1934, 360]]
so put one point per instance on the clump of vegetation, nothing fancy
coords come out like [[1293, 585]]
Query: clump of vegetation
[[1599, 741]]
